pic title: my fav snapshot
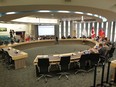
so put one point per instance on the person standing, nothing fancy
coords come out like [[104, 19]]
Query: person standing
[[11, 34], [57, 42]]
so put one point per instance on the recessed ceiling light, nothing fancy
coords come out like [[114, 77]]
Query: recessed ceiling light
[[79, 12], [64, 11], [90, 14], [8, 13], [44, 11], [96, 15]]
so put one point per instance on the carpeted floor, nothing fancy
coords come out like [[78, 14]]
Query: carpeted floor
[[26, 77]]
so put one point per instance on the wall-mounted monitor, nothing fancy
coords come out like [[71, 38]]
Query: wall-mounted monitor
[[45, 30]]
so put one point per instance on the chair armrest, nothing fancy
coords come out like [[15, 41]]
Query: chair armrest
[[38, 68], [69, 66], [49, 67], [59, 66]]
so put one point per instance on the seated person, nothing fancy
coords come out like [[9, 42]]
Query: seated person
[[74, 36], [39, 38], [6, 42], [69, 37], [106, 46], [102, 51], [105, 39], [1, 42], [89, 37], [84, 36], [63, 37], [93, 50], [97, 38], [86, 52]]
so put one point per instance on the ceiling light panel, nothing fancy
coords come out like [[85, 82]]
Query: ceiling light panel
[[64, 11], [9, 13], [78, 12], [44, 11]]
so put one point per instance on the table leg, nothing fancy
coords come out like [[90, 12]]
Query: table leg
[[37, 71], [20, 63], [115, 76]]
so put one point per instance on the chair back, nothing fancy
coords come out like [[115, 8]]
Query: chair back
[[8, 58], [94, 57], [3, 53], [111, 52], [43, 64], [107, 53], [64, 63], [84, 61]]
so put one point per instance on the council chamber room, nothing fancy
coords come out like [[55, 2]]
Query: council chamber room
[[58, 43]]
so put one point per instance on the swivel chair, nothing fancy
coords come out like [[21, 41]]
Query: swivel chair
[[84, 63], [2, 56], [107, 56], [8, 60], [94, 58], [111, 52], [43, 68], [64, 66], [6, 43], [1, 42]]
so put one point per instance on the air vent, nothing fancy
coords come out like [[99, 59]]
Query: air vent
[[67, 0], [113, 7], [1, 0]]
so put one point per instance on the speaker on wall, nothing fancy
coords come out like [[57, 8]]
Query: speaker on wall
[[67, 0]]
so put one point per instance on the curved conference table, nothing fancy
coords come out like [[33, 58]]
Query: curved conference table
[[50, 42], [39, 43], [74, 55]]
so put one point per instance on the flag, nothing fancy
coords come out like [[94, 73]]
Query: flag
[[101, 33], [92, 33], [84, 33]]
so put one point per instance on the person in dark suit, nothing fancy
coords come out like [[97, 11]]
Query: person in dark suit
[[56, 40], [63, 37], [68, 37], [102, 51], [1, 42]]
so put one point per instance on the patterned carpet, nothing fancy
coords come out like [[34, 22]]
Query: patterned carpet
[[26, 77]]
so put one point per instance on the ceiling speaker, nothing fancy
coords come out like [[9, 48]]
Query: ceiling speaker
[[67, 0], [1, 0]]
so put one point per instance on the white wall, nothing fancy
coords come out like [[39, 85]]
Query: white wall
[[15, 27]]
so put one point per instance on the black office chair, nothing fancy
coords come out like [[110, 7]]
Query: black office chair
[[107, 56], [84, 63], [43, 68], [6, 42], [94, 58], [1, 42], [64, 66], [2, 56], [111, 52], [104, 58], [8, 61]]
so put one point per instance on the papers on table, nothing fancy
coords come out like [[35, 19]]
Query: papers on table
[[66, 54], [42, 56]]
